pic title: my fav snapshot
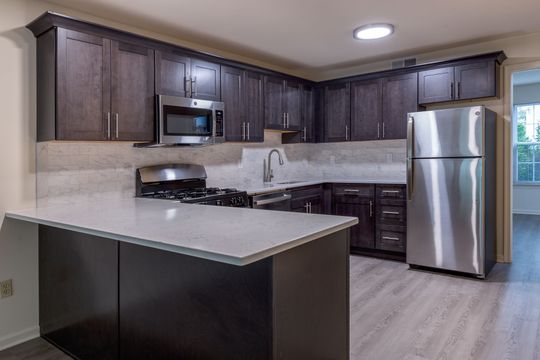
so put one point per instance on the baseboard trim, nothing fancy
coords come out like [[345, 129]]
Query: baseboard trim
[[526, 212], [19, 337]]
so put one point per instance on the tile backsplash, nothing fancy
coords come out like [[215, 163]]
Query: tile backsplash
[[74, 171]]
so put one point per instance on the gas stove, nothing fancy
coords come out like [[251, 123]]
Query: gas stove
[[185, 183]]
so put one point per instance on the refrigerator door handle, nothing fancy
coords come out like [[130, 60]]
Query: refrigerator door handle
[[410, 150]]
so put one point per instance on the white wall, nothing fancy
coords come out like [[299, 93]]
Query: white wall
[[526, 198]]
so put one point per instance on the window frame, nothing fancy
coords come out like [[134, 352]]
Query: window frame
[[515, 144]]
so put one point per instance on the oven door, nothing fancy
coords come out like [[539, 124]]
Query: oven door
[[186, 121]]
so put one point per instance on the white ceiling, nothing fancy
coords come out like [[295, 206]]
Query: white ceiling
[[317, 34], [526, 77]]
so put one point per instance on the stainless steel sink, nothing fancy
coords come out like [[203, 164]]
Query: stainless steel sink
[[290, 182]]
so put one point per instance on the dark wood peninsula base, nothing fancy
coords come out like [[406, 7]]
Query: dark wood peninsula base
[[106, 299]]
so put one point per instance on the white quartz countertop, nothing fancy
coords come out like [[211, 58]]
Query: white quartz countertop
[[276, 186], [236, 236]]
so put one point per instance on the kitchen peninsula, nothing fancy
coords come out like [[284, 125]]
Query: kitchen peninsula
[[141, 278]]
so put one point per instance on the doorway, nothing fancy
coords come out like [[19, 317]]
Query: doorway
[[524, 110]]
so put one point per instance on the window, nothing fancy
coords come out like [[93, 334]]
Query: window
[[527, 143]]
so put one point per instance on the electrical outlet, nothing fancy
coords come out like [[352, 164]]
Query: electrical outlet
[[6, 288]]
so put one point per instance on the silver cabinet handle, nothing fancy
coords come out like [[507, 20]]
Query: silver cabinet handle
[[248, 130], [243, 131], [346, 132], [390, 238], [370, 208], [310, 211], [194, 81], [352, 190], [410, 151], [187, 86], [390, 191], [306, 206], [451, 90], [458, 90], [391, 212], [383, 130], [284, 197], [378, 130], [304, 134], [284, 121], [287, 117], [108, 125], [116, 120]]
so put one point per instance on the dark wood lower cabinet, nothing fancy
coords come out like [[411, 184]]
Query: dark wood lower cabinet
[[104, 299], [78, 293], [381, 212]]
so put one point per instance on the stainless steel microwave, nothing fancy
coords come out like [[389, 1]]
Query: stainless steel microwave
[[184, 121]]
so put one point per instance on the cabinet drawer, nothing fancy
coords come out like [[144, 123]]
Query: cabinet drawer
[[390, 240], [391, 214], [306, 191], [391, 191], [353, 190]]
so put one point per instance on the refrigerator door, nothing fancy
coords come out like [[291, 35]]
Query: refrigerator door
[[446, 133], [445, 214]]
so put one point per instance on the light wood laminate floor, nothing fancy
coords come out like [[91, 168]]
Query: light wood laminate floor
[[397, 313]]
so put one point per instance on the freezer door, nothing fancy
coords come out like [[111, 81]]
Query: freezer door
[[446, 133], [445, 214]]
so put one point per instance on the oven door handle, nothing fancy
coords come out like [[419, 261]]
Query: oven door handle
[[273, 200]]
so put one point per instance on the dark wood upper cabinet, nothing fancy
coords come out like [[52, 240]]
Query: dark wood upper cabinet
[[254, 106], [274, 113], [105, 89], [282, 104], [293, 104], [308, 118], [337, 112], [242, 95], [83, 85], [366, 110], [309, 98], [91, 76], [231, 95], [436, 85], [205, 80], [476, 80], [132, 92], [472, 80], [172, 74], [400, 96]]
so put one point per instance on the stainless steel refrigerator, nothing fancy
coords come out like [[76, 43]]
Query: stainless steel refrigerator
[[451, 189]]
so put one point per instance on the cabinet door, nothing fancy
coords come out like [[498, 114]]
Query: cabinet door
[[83, 87], [231, 94], [132, 92], [366, 110], [308, 114], [362, 234], [476, 80], [337, 112], [254, 106], [273, 103], [436, 85], [293, 104], [205, 80], [400, 94], [172, 74]]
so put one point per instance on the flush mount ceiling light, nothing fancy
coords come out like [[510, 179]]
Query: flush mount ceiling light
[[373, 31]]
